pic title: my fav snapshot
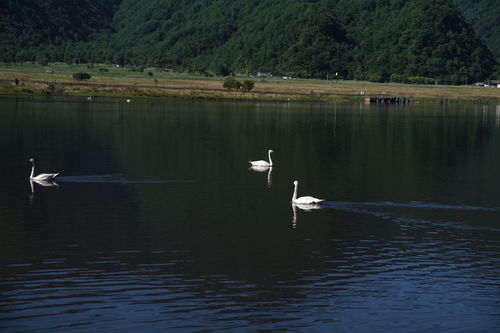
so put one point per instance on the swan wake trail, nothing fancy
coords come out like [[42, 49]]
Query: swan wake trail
[[116, 179], [370, 208], [411, 204]]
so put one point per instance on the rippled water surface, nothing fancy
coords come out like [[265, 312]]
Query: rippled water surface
[[156, 222]]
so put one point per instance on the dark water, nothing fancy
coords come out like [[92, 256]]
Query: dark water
[[157, 224]]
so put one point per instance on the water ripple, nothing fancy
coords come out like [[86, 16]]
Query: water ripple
[[417, 207], [411, 204]]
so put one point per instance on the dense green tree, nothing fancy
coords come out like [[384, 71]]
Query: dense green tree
[[484, 17], [81, 76], [361, 39], [28, 26], [231, 83], [247, 85], [419, 37]]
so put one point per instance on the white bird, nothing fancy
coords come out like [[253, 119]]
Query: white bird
[[263, 163], [128, 100], [42, 176], [307, 200]]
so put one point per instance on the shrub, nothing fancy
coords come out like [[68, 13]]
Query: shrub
[[247, 85], [398, 78], [231, 83], [374, 77], [421, 80], [81, 76], [51, 88]]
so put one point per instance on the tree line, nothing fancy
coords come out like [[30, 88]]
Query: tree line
[[352, 39]]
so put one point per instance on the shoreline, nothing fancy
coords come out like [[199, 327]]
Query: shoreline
[[169, 86]]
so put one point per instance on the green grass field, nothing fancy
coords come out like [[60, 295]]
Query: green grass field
[[110, 80]]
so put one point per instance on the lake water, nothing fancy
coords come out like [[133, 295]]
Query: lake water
[[157, 224]]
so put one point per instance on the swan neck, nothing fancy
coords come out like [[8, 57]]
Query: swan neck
[[294, 192], [269, 156], [32, 170]]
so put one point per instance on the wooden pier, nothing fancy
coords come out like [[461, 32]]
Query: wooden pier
[[387, 100]]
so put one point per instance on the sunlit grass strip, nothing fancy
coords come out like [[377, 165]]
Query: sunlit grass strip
[[120, 82]]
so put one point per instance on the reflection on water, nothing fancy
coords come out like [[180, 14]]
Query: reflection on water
[[264, 169], [497, 116], [43, 183], [304, 207], [158, 225]]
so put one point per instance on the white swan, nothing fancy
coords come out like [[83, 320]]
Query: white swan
[[263, 163], [42, 176], [307, 200]]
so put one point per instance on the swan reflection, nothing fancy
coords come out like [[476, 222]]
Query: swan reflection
[[304, 207], [44, 183], [264, 169]]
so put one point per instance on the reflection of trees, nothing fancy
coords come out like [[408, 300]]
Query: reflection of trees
[[222, 221]]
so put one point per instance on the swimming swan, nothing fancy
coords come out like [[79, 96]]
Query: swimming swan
[[42, 176], [307, 200], [263, 163]]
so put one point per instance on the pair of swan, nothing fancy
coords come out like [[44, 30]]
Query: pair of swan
[[305, 200]]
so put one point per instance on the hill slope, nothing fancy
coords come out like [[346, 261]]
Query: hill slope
[[417, 37], [354, 38], [484, 16], [27, 25]]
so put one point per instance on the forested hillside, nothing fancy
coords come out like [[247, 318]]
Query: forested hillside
[[416, 37], [484, 16], [362, 39], [29, 25]]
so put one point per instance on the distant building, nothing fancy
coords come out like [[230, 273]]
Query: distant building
[[495, 83], [264, 74]]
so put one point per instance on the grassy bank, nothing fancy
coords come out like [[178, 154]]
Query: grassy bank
[[113, 81]]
